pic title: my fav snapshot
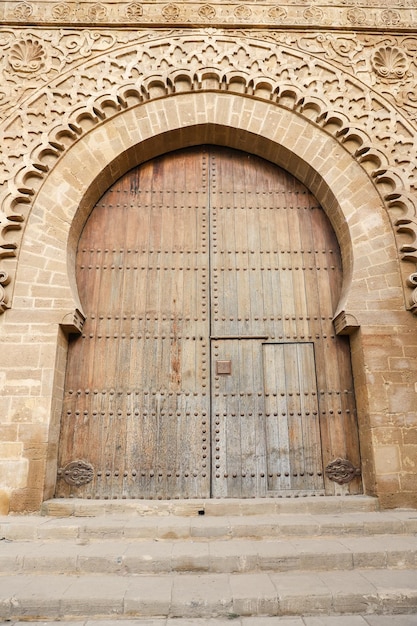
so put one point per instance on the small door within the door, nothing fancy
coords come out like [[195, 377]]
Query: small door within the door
[[265, 432]]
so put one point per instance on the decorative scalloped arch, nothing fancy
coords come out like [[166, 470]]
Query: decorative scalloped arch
[[281, 87], [71, 189]]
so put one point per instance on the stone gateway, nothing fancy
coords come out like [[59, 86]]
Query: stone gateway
[[208, 279]]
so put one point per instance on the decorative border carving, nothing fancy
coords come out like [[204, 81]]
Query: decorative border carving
[[122, 70], [352, 13]]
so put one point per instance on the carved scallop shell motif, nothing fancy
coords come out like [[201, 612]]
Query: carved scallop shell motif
[[390, 62], [27, 55]]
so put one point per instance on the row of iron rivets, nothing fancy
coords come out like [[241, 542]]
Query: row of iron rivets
[[268, 414], [142, 268], [216, 319], [140, 251], [146, 336], [283, 394], [139, 191], [287, 192], [262, 474], [235, 204], [146, 317], [149, 335], [253, 269], [164, 318], [113, 392], [273, 318], [272, 252], [149, 473], [147, 251], [136, 413]]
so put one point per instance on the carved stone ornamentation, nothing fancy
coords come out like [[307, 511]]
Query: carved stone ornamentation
[[412, 282], [313, 14], [207, 12], [390, 17], [58, 71], [356, 16], [390, 62], [97, 12], [77, 473], [171, 12], [61, 11], [23, 11], [4, 280], [243, 12], [134, 11], [278, 14], [27, 56], [342, 471]]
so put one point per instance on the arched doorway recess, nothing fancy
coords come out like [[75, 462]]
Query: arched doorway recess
[[208, 363]]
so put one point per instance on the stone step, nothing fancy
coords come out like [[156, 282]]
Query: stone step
[[51, 597], [63, 507], [307, 620], [228, 556], [130, 527]]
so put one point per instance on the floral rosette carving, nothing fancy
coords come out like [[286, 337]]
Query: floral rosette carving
[[390, 63], [313, 14], [390, 17], [207, 12], [278, 14], [134, 11], [356, 16], [243, 12], [23, 11], [61, 11], [171, 12], [97, 12], [27, 56]]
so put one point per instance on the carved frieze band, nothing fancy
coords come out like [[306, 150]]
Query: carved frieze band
[[351, 14], [48, 73]]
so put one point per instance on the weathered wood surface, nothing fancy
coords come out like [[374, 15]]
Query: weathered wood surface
[[200, 256]]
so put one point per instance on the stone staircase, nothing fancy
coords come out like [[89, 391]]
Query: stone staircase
[[224, 559]]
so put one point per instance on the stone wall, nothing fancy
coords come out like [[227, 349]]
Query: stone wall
[[91, 89]]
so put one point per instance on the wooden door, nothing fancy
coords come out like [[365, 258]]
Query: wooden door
[[208, 363]]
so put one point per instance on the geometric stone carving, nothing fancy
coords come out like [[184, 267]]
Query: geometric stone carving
[[328, 12], [341, 471], [270, 65], [77, 473]]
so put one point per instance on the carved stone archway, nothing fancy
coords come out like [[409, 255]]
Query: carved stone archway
[[70, 190], [310, 79]]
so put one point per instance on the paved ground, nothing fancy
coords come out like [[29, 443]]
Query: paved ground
[[342, 620]]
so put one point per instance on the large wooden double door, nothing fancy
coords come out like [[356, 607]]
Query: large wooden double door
[[208, 364]]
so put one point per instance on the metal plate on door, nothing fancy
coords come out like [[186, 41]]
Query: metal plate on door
[[223, 367]]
